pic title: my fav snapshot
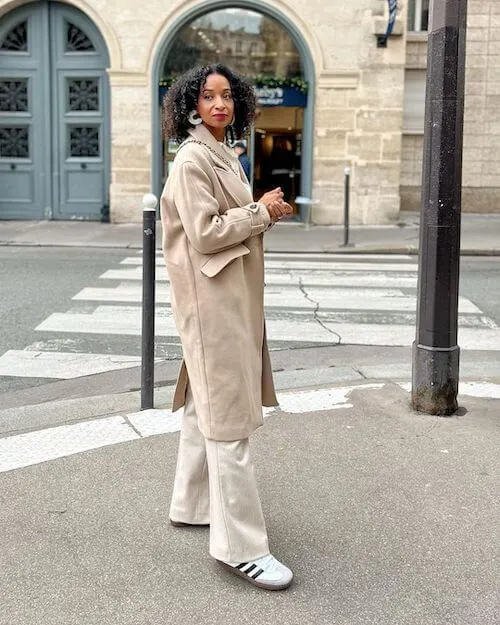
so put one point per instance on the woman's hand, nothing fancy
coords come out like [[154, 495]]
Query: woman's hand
[[271, 196], [278, 209]]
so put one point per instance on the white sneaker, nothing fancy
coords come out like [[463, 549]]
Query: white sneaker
[[265, 572]]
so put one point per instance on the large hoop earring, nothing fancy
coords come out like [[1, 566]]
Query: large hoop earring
[[230, 135], [194, 118]]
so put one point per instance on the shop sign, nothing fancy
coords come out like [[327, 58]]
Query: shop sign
[[280, 96], [268, 96]]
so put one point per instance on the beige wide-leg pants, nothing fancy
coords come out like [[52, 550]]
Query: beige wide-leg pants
[[215, 483]]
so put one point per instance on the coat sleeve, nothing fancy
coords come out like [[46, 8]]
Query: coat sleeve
[[207, 230]]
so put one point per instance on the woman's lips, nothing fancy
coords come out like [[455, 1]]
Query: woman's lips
[[219, 116]]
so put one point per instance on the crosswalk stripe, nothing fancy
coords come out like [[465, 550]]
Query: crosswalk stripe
[[335, 256], [288, 296], [347, 256], [126, 320], [317, 278], [283, 265]]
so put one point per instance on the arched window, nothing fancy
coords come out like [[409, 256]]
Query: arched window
[[260, 48], [248, 42]]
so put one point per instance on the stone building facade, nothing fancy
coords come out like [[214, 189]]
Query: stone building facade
[[364, 104], [481, 159]]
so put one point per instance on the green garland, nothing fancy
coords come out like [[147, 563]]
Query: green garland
[[168, 81], [295, 82], [259, 80]]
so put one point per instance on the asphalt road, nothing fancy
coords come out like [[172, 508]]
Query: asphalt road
[[36, 282]]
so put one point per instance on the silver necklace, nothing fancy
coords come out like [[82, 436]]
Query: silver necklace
[[209, 147]]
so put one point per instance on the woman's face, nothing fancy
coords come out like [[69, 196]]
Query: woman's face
[[216, 105]]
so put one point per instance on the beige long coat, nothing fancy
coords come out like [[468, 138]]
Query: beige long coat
[[212, 242]]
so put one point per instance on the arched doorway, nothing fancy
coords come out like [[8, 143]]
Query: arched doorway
[[261, 44], [54, 115]]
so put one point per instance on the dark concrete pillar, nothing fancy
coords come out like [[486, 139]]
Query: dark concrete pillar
[[435, 351]]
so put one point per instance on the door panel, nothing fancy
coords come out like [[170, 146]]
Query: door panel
[[81, 148], [84, 186], [54, 120], [80, 115], [24, 138]]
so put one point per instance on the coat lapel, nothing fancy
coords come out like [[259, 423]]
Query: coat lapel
[[232, 183]]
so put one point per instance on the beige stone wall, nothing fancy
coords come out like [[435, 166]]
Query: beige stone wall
[[358, 119], [481, 161], [358, 103]]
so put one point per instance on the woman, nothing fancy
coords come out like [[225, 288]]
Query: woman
[[212, 242]]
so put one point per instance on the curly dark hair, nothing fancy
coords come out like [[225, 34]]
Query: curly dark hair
[[182, 98]]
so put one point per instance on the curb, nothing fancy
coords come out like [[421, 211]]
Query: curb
[[352, 251]]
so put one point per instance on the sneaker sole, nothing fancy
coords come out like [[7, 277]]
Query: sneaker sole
[[254, 582], [181, 524]]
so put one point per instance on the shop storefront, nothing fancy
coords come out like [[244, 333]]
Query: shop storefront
[[262, 49]]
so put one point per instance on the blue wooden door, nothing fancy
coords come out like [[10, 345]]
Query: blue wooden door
[[54, 115]]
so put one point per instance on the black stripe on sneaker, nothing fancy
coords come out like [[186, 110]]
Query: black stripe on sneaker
[[255, 575], [240, 566], [250, 569]]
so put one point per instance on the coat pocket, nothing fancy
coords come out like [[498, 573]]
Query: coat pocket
[[218, 261]]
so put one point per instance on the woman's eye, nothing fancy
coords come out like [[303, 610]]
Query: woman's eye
[[228, 96]]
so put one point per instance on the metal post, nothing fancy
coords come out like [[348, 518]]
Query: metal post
[[149, 202], [435, 351], [347, 185]]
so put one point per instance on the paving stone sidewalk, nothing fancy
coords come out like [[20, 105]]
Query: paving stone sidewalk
[[480, 236]]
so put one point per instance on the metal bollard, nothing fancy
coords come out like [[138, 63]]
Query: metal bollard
[[149, 202], [347, 180]]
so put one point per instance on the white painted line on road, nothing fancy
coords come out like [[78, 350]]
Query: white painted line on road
[[343, 279], [24, 450], [65, 440], [319, 278], [284, 296], [126, 320], [309, 261], [132, 292], [291, 296], [479, 389], [154, 421], [298, 402], [61, 365], [348, 257], [113, 321], [348, 264], [488, 390], [394, 335]]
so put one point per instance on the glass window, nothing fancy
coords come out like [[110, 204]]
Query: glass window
[[246, 41], [414, 101], [418, 15]]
